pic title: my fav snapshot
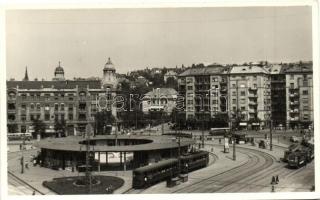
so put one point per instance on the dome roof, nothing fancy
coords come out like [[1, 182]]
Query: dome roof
[[59, 69], [109, 65]]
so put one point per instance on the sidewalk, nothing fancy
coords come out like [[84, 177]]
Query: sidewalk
[[223, 163], [36, 175]]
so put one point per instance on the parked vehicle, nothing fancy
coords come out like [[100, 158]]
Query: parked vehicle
[[19, 136]]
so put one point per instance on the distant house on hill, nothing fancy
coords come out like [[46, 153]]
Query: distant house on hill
[[169, 74], [160, 99]]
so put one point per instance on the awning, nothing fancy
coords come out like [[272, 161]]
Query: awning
[[255, 124], [243, 124]]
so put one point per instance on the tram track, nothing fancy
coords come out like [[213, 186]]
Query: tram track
[[18, 182], [229, 177]]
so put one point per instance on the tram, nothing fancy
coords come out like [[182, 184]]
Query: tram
[[147, 176], [192, 162], [297, 159]]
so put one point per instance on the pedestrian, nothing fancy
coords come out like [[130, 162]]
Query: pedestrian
[[277, 179], [219, 140], [27, 165], [34, 192], [20, 146]]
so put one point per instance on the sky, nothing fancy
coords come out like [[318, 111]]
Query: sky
[[152, 37]]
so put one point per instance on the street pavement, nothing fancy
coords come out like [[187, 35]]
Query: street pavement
[[290, 180]]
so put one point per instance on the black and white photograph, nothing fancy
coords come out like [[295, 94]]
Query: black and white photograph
[[160, 100]]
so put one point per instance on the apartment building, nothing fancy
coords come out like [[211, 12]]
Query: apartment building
[[299, 95], [202, 92], [250, 96], [75, 101]]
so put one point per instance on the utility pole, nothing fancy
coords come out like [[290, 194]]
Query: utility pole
[[270, 134], [237, 116], [88, 166], [22, 151]]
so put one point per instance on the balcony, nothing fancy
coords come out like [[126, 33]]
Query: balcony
[[253, 88], [292, 89], [11, 110], [293, 103], [251, 95], [252, 103], [294, 119], [253, 111], [294, 95], [294, 111]]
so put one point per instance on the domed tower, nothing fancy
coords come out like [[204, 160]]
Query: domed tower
[[59, 73], [109, 75]]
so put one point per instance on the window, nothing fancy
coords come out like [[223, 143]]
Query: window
[[32, 106], [234, 101], [242, 101], [56, 107], [242, 93], [24, 96], [291, 77], [243, 77], [305, 101], [70, 107], [62, 116], [70, 116], [305, 117], [190, 88], [47, 97], [291, 85], [255, 77], [47, 117], [305, 92], [190, 102], [23, 107], [233, 85], [31, 117], [56, 117], [46, 107], [214, 101], [62, 107], [189, 80], [38, 106], [234, 93], [305, 107], [243, 108], [254, 85], [23, 117], [234, 108]]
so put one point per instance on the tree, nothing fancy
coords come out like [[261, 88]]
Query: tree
[[39, 128], [60, 127], [12, 128], [103, 119], [220, 120]]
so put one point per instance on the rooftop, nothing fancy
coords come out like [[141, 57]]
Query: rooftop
[[67, 84], [248, 70], [203, 71], [163, 92], [71, 143]]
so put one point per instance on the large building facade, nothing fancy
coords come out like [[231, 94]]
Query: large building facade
[[74, 101], [202, 92], [255, 95]]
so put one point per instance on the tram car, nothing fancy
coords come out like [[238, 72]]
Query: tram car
[[291, 148], [146, 176], [297, 159], [194, 161], [149, 175]]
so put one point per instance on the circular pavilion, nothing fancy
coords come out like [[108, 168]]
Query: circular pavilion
[[109, 151]]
